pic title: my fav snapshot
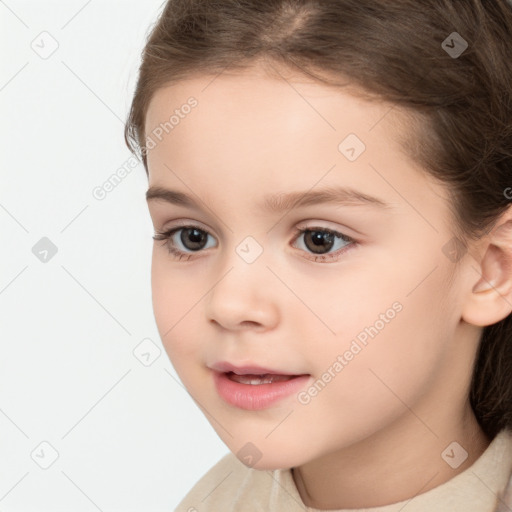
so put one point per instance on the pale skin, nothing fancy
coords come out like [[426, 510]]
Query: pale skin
[[375, 434]]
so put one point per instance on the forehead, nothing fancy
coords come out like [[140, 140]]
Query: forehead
[[280, 131], [265, 114], [281, 98]]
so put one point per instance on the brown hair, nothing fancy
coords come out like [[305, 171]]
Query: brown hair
[[403, 52]]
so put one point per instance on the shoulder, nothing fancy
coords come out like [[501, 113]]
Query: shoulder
[[228, 485]]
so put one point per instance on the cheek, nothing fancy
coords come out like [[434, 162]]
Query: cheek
[[385, 377], [393, 331], [365, 296], [174, 301]]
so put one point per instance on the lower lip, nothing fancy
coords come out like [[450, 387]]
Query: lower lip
[[255, 397]]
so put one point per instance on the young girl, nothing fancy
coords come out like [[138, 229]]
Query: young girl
[[374, 373]]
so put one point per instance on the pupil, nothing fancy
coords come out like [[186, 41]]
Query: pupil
[[193, 239], [319, 238]]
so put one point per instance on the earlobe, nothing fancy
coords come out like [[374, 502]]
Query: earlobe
[[490, 298]]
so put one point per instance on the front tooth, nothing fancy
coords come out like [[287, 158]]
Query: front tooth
[[256, 380], [246, 379]]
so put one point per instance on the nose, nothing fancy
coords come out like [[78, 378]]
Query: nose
[[241, 297]]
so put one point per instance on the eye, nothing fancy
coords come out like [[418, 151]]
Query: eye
[[183, 241], [320, 241], [191, 238]]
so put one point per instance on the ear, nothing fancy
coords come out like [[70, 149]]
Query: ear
[[490, 299]]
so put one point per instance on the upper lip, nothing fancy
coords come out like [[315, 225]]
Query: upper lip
[[253, 369]]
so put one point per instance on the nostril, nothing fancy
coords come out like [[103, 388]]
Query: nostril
[[249, 323]]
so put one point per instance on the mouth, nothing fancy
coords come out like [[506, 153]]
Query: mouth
[[252, 369], [255, 388], [257, 379]]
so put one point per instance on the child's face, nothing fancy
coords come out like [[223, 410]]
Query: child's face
[[253, 294]]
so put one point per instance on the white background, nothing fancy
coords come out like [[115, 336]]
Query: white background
[[127, 435]]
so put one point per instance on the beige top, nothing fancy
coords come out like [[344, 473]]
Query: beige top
[[230, 486]]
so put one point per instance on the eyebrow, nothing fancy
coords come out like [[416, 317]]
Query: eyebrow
[[277, 203]]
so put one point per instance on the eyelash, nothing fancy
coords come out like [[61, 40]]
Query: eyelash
[[186, 256]]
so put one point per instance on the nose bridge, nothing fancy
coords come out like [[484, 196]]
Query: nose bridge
[[239, 294], [243, 260], [241, 270]]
